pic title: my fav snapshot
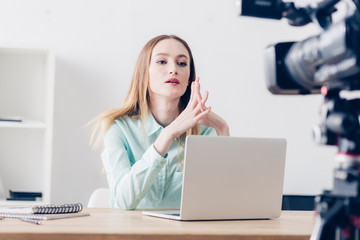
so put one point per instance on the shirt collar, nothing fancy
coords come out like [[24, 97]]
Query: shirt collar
[[152, 125]]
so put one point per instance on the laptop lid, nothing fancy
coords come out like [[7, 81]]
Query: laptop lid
[[232, 178]]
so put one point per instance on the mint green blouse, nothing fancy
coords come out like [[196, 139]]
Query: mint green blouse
[[138, 176]]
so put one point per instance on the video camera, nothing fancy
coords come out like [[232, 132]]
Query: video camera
[[328, 63], [331, 58]]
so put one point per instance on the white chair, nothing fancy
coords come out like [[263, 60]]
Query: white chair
[[100, 198]]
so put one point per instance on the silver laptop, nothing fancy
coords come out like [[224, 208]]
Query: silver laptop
[[230, 178]]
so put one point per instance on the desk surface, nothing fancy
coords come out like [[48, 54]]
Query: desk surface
[[119, 224]]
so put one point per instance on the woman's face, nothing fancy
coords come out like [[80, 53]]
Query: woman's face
[[169, 69]]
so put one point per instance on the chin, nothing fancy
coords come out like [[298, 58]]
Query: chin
[[175, 94]]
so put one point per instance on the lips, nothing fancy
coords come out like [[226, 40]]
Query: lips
[[173, 81]]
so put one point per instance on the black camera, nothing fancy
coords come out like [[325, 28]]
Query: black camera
[[329, 59], [328, 63]]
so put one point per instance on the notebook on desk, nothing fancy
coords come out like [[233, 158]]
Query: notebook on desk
[[230, 178], [43, 212]]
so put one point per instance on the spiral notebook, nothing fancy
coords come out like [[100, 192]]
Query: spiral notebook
[[45, 212], [45, 209]]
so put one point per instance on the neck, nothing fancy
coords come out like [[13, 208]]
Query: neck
[[164, 110]]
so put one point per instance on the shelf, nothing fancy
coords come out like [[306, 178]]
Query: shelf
[[26, 91], [4, 203], [24, 124]]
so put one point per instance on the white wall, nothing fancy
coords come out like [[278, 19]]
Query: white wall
[[96, 43]]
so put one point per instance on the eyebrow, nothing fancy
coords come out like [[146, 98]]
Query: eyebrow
[[165, 54]]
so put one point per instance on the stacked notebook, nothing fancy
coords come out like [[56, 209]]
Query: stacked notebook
[[46, 212]]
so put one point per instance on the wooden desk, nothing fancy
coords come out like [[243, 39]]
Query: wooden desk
[[118, 224]]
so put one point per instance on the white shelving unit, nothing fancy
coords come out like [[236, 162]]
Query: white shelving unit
[[26, 91]]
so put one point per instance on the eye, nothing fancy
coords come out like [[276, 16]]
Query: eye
[[161, 62], [182, 64]]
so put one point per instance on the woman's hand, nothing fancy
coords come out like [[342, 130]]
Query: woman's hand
[[211, 119], [189, 117], [215, 121]]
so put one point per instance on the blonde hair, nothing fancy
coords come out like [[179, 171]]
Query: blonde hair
[[136, 102]]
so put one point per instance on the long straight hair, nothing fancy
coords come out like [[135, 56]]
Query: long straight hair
[[136, 102]]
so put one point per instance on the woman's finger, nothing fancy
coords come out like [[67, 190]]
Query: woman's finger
[[203, 101], [206, 95], [202, 114], [197, 92], [198, 109], [197, 89], [197, 79], [192, 93]]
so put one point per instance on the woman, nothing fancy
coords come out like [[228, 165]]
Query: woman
[[144, 138]]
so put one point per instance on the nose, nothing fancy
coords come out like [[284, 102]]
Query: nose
[[173, 69]]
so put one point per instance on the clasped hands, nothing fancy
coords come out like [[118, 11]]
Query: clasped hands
[[196, 112]]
